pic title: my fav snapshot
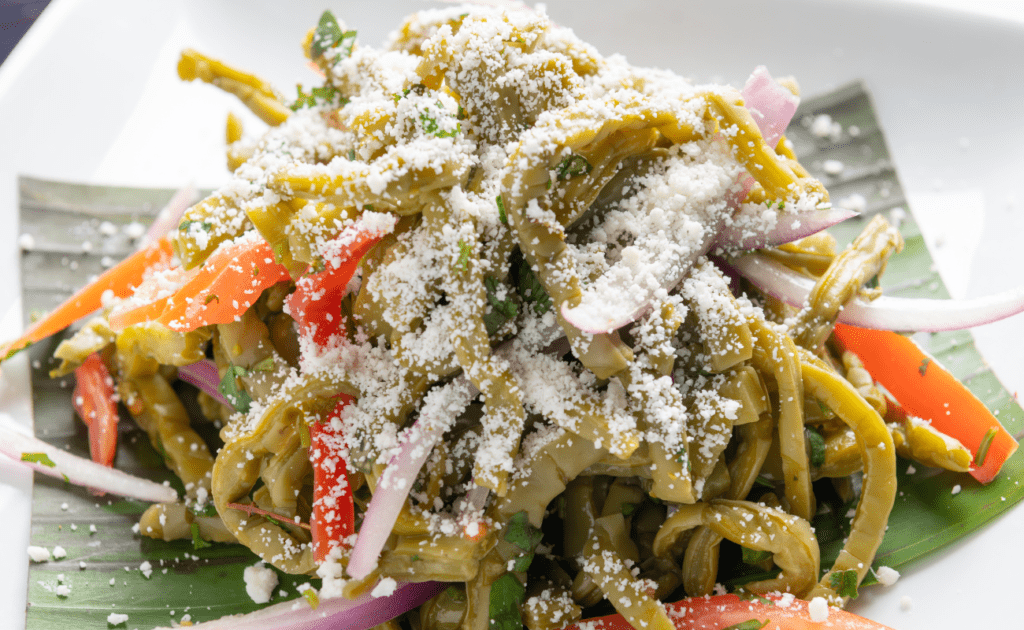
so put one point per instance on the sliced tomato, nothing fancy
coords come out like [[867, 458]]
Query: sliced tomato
[[315, 304], [227, 284], [121, 279], [719, 612], [96, 405], [928, 391], [333, 510]]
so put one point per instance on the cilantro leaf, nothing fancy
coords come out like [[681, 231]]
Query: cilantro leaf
[[844, 582], [197, 541], [532, 291], [629, 508], [986, 442], [924, 366], [464, 251], [38, 458], [328, 35], [264, 366], [816, 443], [573, 166], [521, 563], [501, 210], [186, 225], [507, 595], [521, 533], [208, 509], [750, 624], [754, 556], [229, 389], [506, 307]]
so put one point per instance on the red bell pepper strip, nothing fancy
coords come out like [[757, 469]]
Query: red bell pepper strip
[[121, 279], [227, 284], [333, 518], [718, 612], [315, 302], [94, 401], [928, 391]]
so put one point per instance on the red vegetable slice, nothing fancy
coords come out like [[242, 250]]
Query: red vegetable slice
[[333, 510], [93, 400], [314, 304], [121, 279], [227, 284], [724, 611], [928, 391]]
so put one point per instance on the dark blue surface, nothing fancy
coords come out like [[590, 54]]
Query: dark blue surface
[[16, 16]]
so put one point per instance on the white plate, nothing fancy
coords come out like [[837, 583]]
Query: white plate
[[92, 95]]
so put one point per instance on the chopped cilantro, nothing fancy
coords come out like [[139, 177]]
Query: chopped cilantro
[[208, 509], [264, 366], [255, 271], [506, 307], [532, 291], [501, 210], [521, 563], [628, 509], [328, 35], [521, 533], [311, 597], [755, 556], [924, 366], [573, 166], [873, 282], [750, 624], [460, 114], [416, 558], [455, 594], [431, 126], [351, 155], [761, 480], [323, 95], [986, 442], [38, 458], [187, 224], [229, 389], [197, 540], [507, 595], [844, 582], [464, 251], [747, 596], [211, 297], [817, 446]]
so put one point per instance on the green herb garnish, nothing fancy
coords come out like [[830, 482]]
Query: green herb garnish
[[844, 582], [187, 224], [197, 540], [507, 595], [38, 458], [629, 508], [521, 533], [573, 166], [816, 443], [211, 297], [924, 366], [311, 597], [264, 366], [521, 563], [986, 442], [208, 509], [464, 251], [750, 624], [501, 210], [532, 291], [229, 389], [329, 35]]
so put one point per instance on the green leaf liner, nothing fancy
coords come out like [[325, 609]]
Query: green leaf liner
[[927, 515], [207, 583]]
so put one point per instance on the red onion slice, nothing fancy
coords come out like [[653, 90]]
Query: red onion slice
[[440, 409], [77, 470], [361, 613], [771, 105], [204, 375], [790, 227], [884, 313], [169, 217]]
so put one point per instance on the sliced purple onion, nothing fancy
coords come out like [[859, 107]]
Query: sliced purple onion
[[790, 227], [884, 313], [771, 105], [440, 408], [203, 374], [361, 613], [38, 455], [169, 217]]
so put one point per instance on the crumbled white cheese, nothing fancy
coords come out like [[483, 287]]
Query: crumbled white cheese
[[384, 588], [116, 618], [38, 554], [818, 609], [59, 552], [260, 582], [146, 568], [887, 576]]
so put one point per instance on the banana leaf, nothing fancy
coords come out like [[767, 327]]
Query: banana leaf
[[207, 583]]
